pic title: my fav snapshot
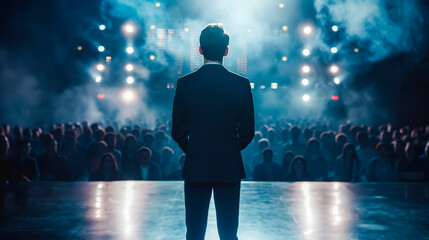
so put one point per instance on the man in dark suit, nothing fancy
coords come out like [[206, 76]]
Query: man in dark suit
[[213, 121]]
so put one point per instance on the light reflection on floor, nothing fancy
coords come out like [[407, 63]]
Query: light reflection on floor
[[275, 211]]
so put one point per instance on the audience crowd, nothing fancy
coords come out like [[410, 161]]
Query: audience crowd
[[282, 150]]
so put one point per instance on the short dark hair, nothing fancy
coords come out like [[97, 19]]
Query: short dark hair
[[213, 41]]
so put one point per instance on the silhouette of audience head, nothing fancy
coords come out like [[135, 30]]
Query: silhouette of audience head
[[148, 140], [257, 137], [267, 155], [99, 134], [348, 151], [51, 146], [27, 134], [110, 139], [362, 139], [87, 133], [17, 132], [130, 144], [144, 155], [307, 133], [23, 149], [285, 135], [263, 143], [4, 145], [298, 165], [313, 146], [295, 134], [214, 41], [410, 151], [382, 150], [108, 163], [341, 139], [167, 154]]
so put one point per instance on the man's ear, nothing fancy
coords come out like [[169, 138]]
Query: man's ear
[[226, 52], [201, 51]]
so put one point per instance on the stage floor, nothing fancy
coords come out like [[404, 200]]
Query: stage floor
[[268, 211]]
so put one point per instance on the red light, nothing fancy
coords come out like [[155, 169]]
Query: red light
[[335, 98], [100, 96]]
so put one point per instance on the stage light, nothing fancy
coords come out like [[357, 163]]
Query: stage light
[[108, 59], [284, 58], [129, 28], [98, 79], [129, 50], [274, 85], [284, 28], [306, 52], [305, 82], [101, 48], [334, 98], [102, 27], [249, 30], [152, 57], [337, 80], [130, 80], [100, 67], [356, 50], [129, 67], [306, 98], [101, 96], [307, 30], [262, 86], [152, 27], [281, 5], [252, 85], [186, 29], [157, 4], [79, 48], [305, 69], [334, 50], [335, 28], [334, 69], [128, 95]]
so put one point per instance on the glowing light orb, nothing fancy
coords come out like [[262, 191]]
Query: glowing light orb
[[102, 27], [356, 50], [101, 48], [152, 27], [128, 96], [335, 28], [305, 82], [334, 69], [100, 67], [284, 58], [306, 52], [101, 96], [157, 4], [79, 48], [252, 85], [129, 50], [249, 30], [334, 98], [306, 98], [129, 28], [130, 80], [129, 67], [337, 80], [152, 57], [98, 79], [108, 59], [284, 28], [186, 29], [334, 50], [307, 30], [305, 69], [281, 5], [274, 85], [262, 86]]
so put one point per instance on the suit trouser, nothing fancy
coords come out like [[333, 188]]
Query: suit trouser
[[197, 201]]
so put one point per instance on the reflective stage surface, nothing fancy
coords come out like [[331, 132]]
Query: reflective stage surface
[[268, 211]]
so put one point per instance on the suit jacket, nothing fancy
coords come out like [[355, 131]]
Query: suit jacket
[[213, 120]]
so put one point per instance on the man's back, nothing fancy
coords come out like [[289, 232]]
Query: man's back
[[213, 106]]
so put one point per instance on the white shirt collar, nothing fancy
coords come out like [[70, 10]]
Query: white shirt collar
[[212, 63]]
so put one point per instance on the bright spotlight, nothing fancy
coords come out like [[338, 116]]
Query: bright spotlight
[[252, 85], [262, 86], [307, 30], [128, 95], [129, 67], [101, 48], [130, 80], [284, 28], [306, 98], [249, 30], [186, 29], [274, 85], [152, 27], [356, 50], [305, 82], [98, 79], [157, 4], [100, 67], [79, 48], [281, 5], [152, 57], [305, 69], [337, 80], [306, 52], [334, 50], [129, 50], [102, 27], [335, 28], [334, 69], [284, 58], [129, 28]]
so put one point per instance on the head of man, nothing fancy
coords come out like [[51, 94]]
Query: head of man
[[214, 41]]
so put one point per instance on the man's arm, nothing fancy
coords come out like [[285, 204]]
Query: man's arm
[[246, 122], [180, 130]]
